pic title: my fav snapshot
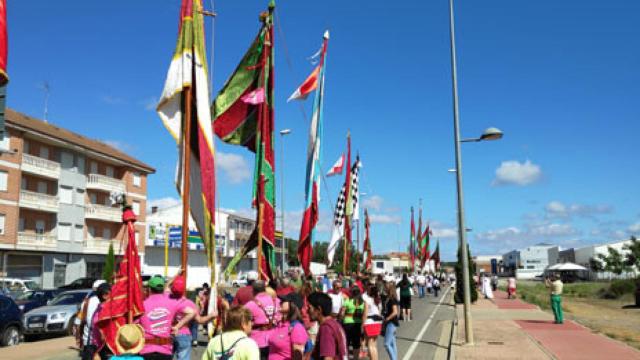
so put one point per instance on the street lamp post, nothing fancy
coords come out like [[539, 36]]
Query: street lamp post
[[283, 133], [488, 134]]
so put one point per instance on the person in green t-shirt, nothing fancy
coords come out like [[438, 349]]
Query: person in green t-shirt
[[353, 309], [405, 297]]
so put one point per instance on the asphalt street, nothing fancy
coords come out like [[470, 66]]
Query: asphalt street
[[418, 338]]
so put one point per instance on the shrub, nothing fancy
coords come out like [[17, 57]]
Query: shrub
[[618, 288]]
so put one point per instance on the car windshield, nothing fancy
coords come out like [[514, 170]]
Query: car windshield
[[28, 295], [68, 298], [32, 285]]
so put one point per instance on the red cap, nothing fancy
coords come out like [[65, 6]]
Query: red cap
[[179, 286]]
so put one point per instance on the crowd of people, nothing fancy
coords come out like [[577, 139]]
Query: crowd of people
[[292, 317]]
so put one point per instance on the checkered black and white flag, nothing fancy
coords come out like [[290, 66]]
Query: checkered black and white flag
[[341, 210]]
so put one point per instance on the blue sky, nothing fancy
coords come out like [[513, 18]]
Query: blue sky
[[560, 79]]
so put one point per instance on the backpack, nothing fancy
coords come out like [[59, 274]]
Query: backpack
[[308, 346], [228, 354]]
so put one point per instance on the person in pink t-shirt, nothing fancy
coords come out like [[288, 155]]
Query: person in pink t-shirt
[[263, 307], [159, 315], [290, 334]]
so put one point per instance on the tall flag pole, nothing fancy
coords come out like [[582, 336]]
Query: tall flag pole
[[4, 78], [126, 301], [418, 249], [339, 215], [314, 158], [348, 211], [184, 110], [412, 242], [243, 115], [367, 241]]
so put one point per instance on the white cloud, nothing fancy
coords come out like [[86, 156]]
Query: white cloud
[[162, 203], [513, 172], [445, 232], [556, 209], [112, 100], [235, 167], [384, 219], [120, 145], [149, 103], [373, 202], [513, 237], [634, 228]]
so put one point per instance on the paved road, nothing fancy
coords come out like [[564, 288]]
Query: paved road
[[417, 339]]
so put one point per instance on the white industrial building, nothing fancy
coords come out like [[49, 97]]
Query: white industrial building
[[531, 261], [232, 232], [584, 254]]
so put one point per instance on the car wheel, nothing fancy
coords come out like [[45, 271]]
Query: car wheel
[[11, 336], [70, 326]]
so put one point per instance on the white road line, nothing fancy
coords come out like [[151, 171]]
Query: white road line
[[413, 347]]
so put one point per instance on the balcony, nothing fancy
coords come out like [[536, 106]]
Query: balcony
[[34, 241], [38, 201], [98, 245], [104, 213], [40, 166], [105, 183]]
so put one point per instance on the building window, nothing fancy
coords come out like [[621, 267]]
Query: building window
[[79, 233], [23, 183], [1, 224], [26, 146], [91, 230], [137, 181], [21, 224], [66, 195], [4, 177], [109, 170], [42, 187], [93, 197], [135, 206], [44, 152], [80, 196], [106, 233], [94, 167], [4, 143], [64, 232]]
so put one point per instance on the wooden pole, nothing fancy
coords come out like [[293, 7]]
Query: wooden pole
[[259, 249], [186, 179]]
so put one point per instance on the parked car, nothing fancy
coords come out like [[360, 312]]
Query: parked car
[[57, 317], [30, 300], [10, 322], [80, 283], [14, 285]]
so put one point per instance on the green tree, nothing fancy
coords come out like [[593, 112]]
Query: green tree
[[632, 258], [596, 265], [614, 261], [109, 265], [292, 252], [354, 261], [459, 295]]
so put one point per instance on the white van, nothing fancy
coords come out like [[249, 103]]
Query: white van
[[17, 285]]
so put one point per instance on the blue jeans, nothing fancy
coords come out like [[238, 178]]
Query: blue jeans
[[390, 341], [194, 331], [182, 347], [421, 290]]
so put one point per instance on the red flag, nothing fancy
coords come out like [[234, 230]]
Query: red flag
[[413, 240], [307, 87], [4, 78], [125, 302], [425, 249], [336, 169], [367, 242], [436, 256]]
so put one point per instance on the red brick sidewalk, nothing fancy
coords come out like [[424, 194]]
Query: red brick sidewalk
[[569, 340]]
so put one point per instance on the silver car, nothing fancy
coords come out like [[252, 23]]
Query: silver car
[[57, 316]]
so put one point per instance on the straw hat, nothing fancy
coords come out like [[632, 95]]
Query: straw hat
[[129, 339]]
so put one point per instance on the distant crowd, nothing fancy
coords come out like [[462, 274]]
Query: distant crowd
[[292, 317]]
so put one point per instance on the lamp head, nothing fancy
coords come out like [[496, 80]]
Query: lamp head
[[491, 134]]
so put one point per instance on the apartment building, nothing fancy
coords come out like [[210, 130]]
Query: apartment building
[[56, 219]]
